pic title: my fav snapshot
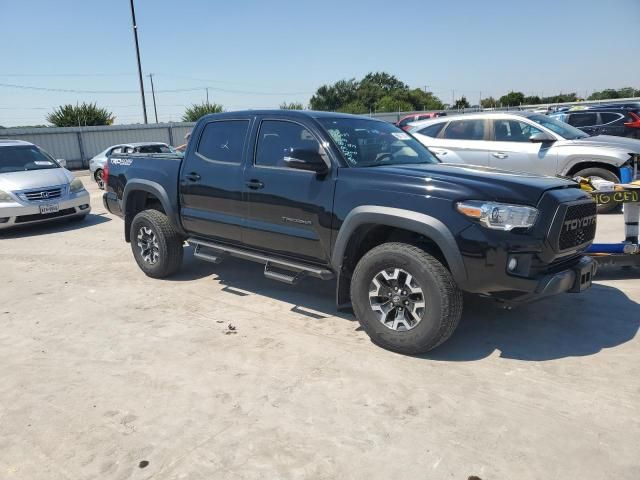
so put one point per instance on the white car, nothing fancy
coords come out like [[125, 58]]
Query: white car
[[529, 142], [35, 188], [97, 163]]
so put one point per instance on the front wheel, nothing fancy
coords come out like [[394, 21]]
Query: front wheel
[[98, 176], [156, 245], [596, 173], [405, 299]]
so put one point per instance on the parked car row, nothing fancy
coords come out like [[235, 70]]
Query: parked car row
[[528, 142], [604, 120]]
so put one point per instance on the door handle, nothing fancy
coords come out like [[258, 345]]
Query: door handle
[[193, 177], [255, 184], [499, 154]]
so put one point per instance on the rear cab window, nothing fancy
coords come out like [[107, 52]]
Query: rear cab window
[[223, 141], [432, 130]]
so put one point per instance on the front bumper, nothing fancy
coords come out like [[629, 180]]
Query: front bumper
[[16, 214]]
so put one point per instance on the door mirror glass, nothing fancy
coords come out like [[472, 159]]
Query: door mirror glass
[[62, 162], [303, 159], [541, 137]]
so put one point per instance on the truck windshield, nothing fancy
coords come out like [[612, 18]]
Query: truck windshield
[[369, 143], [565, 130], [20, 159]]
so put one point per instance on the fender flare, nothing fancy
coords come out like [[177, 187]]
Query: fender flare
[[421, 223], [155, 189]]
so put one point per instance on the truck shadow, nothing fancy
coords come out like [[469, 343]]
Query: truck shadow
[[55, 226], [564, 326]]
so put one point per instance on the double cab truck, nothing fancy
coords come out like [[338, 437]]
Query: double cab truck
[[357, 200]]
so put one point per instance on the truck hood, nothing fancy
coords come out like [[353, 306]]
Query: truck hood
[[629, 145], [15, 181], [482, 183]]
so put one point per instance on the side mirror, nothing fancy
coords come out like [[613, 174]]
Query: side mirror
[[62, 162], [541, 137], [309, 160]]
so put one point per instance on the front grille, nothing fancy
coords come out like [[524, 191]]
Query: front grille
[[44, 216], [42, 194], [578, 226]]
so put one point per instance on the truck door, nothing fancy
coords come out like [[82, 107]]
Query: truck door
[[289, 210], [510, 148], [211, 181]]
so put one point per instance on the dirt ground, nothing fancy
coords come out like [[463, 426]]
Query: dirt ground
[[220, 373]]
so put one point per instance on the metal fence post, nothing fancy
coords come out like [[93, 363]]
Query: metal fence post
[[81, 148], [170, 128]]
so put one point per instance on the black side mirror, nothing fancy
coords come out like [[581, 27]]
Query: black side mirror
[[541, 137], [309, 160]]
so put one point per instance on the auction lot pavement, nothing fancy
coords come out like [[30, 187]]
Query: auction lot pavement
[[109, 374]]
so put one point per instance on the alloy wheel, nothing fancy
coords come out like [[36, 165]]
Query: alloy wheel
[[147, 242], [397, 298]]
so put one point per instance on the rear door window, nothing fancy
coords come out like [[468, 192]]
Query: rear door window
[[223, 141], [610, 117], [583, 119], [432, 130], [465, 130]]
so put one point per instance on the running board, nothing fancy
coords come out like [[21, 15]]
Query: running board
[[297, 269]]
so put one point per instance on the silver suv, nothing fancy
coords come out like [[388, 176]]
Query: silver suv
[[528, 142]]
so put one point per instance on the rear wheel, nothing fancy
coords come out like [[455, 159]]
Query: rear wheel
[[596, 173], [156, 245], [405, 299], [99, 178]]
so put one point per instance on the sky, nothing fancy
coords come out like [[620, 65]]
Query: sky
[[257, 54]]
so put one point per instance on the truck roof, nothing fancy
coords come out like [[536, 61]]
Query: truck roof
[[289, 113], [6, 142]]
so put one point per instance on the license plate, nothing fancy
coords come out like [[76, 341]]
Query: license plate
[[49, 208]]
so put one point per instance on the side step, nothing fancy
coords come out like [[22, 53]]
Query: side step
[[280, 269]]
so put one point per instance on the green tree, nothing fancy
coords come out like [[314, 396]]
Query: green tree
[[291, 106], [461, 103], [512, 99], [421, 100], [333, 97], [390, 103], [84, 114], [356, 106], [532, 100], [197, 110], [488, 102]]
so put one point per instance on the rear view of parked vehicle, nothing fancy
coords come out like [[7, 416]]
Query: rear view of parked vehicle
[[36, 188], [97, 163], [529, 142], [622, 122], [416, 117]]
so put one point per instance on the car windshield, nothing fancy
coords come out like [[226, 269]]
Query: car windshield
[[565, 130], [20, 159], [369, 143]]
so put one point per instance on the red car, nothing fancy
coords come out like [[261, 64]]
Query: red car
[[404, 122]]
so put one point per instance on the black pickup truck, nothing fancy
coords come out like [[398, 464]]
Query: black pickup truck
[[359, 200]]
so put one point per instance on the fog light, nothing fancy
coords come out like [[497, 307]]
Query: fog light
[[513, 264], [84, 207]]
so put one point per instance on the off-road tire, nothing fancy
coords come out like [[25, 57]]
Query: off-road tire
[[605, 175], [443, 299], [169, 244]]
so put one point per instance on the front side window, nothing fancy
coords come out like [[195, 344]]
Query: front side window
[[277, 139], [370, 143], [223, 141], [505, 130], [583, 119], [565, 130], [465, 130], [20, 159]]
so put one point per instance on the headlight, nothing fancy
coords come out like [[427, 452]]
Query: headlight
[[76, 186], [5, 197], [499, 216]]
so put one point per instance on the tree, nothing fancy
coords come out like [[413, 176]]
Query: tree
[[197, 110], [291, 106], [332, 97], [390, 103], [532, 100], [610, 94], [85, 114], [461, 103], [512, 99], [488, 102]]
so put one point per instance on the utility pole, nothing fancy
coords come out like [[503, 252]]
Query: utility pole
[[153, 95], [135, 37]]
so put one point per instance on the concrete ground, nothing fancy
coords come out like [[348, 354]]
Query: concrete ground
[[109, 374]]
